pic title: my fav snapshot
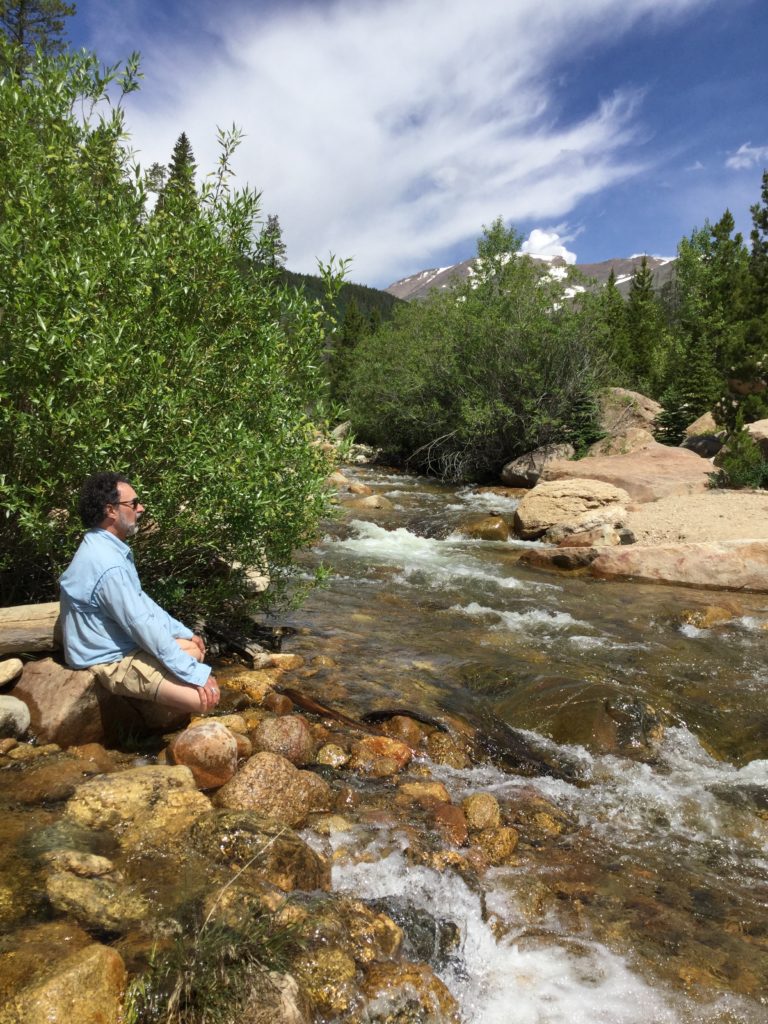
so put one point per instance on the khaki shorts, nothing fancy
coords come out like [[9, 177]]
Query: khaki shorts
[[137, 675]]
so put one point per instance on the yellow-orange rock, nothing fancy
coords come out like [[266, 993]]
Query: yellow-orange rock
[[371, 754]]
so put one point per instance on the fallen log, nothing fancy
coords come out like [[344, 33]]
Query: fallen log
[[27, 628]]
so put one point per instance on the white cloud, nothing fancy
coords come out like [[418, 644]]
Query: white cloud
[[391, 131], [547, 243], [747, 156]]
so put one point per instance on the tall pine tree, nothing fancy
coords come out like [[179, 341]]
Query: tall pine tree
[[757, 329], [352, 329], [179, 184], [607, 311], [647, 338], [270, 248], [31, 25]]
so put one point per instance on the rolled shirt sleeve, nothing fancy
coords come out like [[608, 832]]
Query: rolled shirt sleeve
[[152, 628]]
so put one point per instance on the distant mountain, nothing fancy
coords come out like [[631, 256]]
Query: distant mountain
[[417, 286]]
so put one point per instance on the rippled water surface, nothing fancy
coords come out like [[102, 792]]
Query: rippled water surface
[[651, 903]]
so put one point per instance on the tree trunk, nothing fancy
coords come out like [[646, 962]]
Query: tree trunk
[[29, 627]]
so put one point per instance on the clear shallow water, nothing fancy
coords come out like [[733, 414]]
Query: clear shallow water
[[652, 905]]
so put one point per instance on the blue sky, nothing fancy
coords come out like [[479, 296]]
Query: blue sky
[[390, 131]]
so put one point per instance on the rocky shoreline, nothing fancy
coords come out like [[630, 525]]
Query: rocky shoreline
[[231, 822]]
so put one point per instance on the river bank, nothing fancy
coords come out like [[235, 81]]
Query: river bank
[[621, 880], [714, 515]]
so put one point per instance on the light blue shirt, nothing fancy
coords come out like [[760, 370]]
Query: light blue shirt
[[105, 614]]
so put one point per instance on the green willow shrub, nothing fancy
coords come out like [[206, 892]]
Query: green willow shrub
[[465, 380], [148, 344]]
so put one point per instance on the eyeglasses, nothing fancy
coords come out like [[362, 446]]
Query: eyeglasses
[[134, 503]]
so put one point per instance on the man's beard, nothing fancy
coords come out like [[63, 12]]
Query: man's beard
[[129, 529]]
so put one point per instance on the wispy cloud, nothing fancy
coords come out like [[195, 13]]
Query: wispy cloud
[[747, 156], [390, 131]]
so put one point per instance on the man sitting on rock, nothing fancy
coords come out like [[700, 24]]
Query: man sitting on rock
[[133, 646]]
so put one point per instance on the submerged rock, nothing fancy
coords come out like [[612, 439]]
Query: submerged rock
[[425, 794], [450, 822], [263, 848], [275, 999], [409, 993], [379, 756], [84, 988], [435, 940], [98, 903], [55, 778], [35, 951], [328, 976], [445, 749], [404, 728], [491, 527], [496, 844], [482, 811], [367, 935]]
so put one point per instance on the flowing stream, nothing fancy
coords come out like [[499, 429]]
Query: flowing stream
[[649, 902]]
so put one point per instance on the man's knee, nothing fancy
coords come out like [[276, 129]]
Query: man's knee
[[178, 695]]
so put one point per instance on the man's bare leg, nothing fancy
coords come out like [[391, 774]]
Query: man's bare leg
[[185, 696]]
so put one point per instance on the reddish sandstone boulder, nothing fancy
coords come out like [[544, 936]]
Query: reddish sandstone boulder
[[654, 472], [209, 750], [727, 565], [68, 706]]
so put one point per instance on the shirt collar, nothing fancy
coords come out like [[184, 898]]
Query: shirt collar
[[122, 547]]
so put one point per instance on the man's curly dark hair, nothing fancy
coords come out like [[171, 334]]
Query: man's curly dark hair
[[97, 492]]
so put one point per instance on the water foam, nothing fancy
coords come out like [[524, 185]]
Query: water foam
[[536, 619], [546, 977], [420, 558]]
